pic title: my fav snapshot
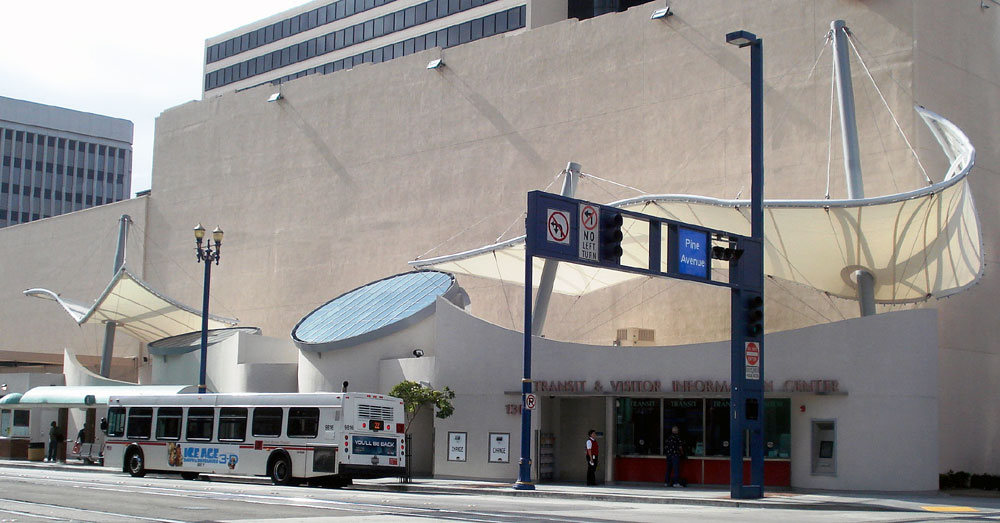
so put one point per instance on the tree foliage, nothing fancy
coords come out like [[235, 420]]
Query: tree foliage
[[416, 396]]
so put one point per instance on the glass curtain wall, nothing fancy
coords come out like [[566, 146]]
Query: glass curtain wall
[[642, 425]]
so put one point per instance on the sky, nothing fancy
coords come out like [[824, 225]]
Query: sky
[[126, 59]]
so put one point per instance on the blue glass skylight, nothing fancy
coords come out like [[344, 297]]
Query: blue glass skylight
[[372, 307]]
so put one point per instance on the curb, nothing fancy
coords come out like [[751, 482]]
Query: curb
[[417, 488], [629, 498]]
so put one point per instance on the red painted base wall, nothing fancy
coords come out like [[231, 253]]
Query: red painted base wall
[[699, 471]]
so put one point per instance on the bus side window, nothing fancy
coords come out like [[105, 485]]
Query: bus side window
[[168, 422], [116, 422], [200, 423], [140, 422], [303, 422], [232, 424], [266, 422]]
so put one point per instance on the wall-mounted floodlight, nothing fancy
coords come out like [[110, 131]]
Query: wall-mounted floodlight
[[741, 38], [275, 97], [661, 13], [435, 64]]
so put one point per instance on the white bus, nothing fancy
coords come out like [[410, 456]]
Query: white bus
[[289, 437]]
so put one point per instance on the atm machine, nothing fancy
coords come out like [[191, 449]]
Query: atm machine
[[824, 447]]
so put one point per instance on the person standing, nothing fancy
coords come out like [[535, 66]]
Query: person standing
[[54, 437], [593, 452], [674, 448]]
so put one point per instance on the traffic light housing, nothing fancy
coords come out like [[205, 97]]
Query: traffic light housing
[[755, 315], [610, 248], [729, 253]]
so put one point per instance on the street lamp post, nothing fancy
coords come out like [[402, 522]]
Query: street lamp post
[[747, 390], [207, 254]]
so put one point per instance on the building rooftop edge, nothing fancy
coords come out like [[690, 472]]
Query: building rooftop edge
[[57, 118]]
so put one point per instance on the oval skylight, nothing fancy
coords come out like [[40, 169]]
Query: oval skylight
[[373, 310]]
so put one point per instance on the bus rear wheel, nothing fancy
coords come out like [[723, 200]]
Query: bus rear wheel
[[135, 463], [280, 470]]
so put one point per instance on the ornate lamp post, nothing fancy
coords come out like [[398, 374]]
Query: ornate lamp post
[[208, 254]]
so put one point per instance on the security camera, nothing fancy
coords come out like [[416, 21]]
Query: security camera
[[418, 353]]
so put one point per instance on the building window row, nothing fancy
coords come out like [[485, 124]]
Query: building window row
[[472, 30], [290, 27], [43, 176], [348, 36]]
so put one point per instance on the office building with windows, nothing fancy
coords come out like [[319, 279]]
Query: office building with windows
[[323, 37], [58, 160]]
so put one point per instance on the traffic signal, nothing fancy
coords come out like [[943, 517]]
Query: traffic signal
[[730, 253], [610, 249], [755, 315]]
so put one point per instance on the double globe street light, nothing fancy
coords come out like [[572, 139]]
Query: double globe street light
[[209, 253]]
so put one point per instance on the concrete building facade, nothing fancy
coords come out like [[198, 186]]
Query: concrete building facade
[[58, 160], [349, 176]]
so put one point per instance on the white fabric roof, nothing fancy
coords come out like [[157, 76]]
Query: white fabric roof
[[919, 244], [137, 309]]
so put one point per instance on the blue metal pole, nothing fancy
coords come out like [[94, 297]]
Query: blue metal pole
[[756, 392], [202, 381], [757, 145], [524, 464], [747, 390]]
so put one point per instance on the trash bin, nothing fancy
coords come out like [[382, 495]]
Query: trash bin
[[36, 451]]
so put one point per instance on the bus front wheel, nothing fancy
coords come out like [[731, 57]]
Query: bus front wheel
[[281, 470], [134, 462]]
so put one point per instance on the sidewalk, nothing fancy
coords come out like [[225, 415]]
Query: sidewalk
[[979, 503]]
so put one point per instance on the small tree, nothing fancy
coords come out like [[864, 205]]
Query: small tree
[[416, 396]]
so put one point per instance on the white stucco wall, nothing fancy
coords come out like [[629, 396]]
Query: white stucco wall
[[240, 363], [359, 364]]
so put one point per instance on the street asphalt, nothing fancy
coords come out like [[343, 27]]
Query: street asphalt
[[967, 502]]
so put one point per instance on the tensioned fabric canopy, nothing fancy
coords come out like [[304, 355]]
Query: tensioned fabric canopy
[[918, 245], [137, 309]]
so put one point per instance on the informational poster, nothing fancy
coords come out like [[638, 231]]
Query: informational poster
[[456, 446], [499, 447]]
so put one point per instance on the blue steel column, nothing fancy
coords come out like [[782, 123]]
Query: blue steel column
[[524, 463], [202, 382], [748, 274], [756, 269]]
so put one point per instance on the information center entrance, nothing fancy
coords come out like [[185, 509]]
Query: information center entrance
[[643, 424]]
